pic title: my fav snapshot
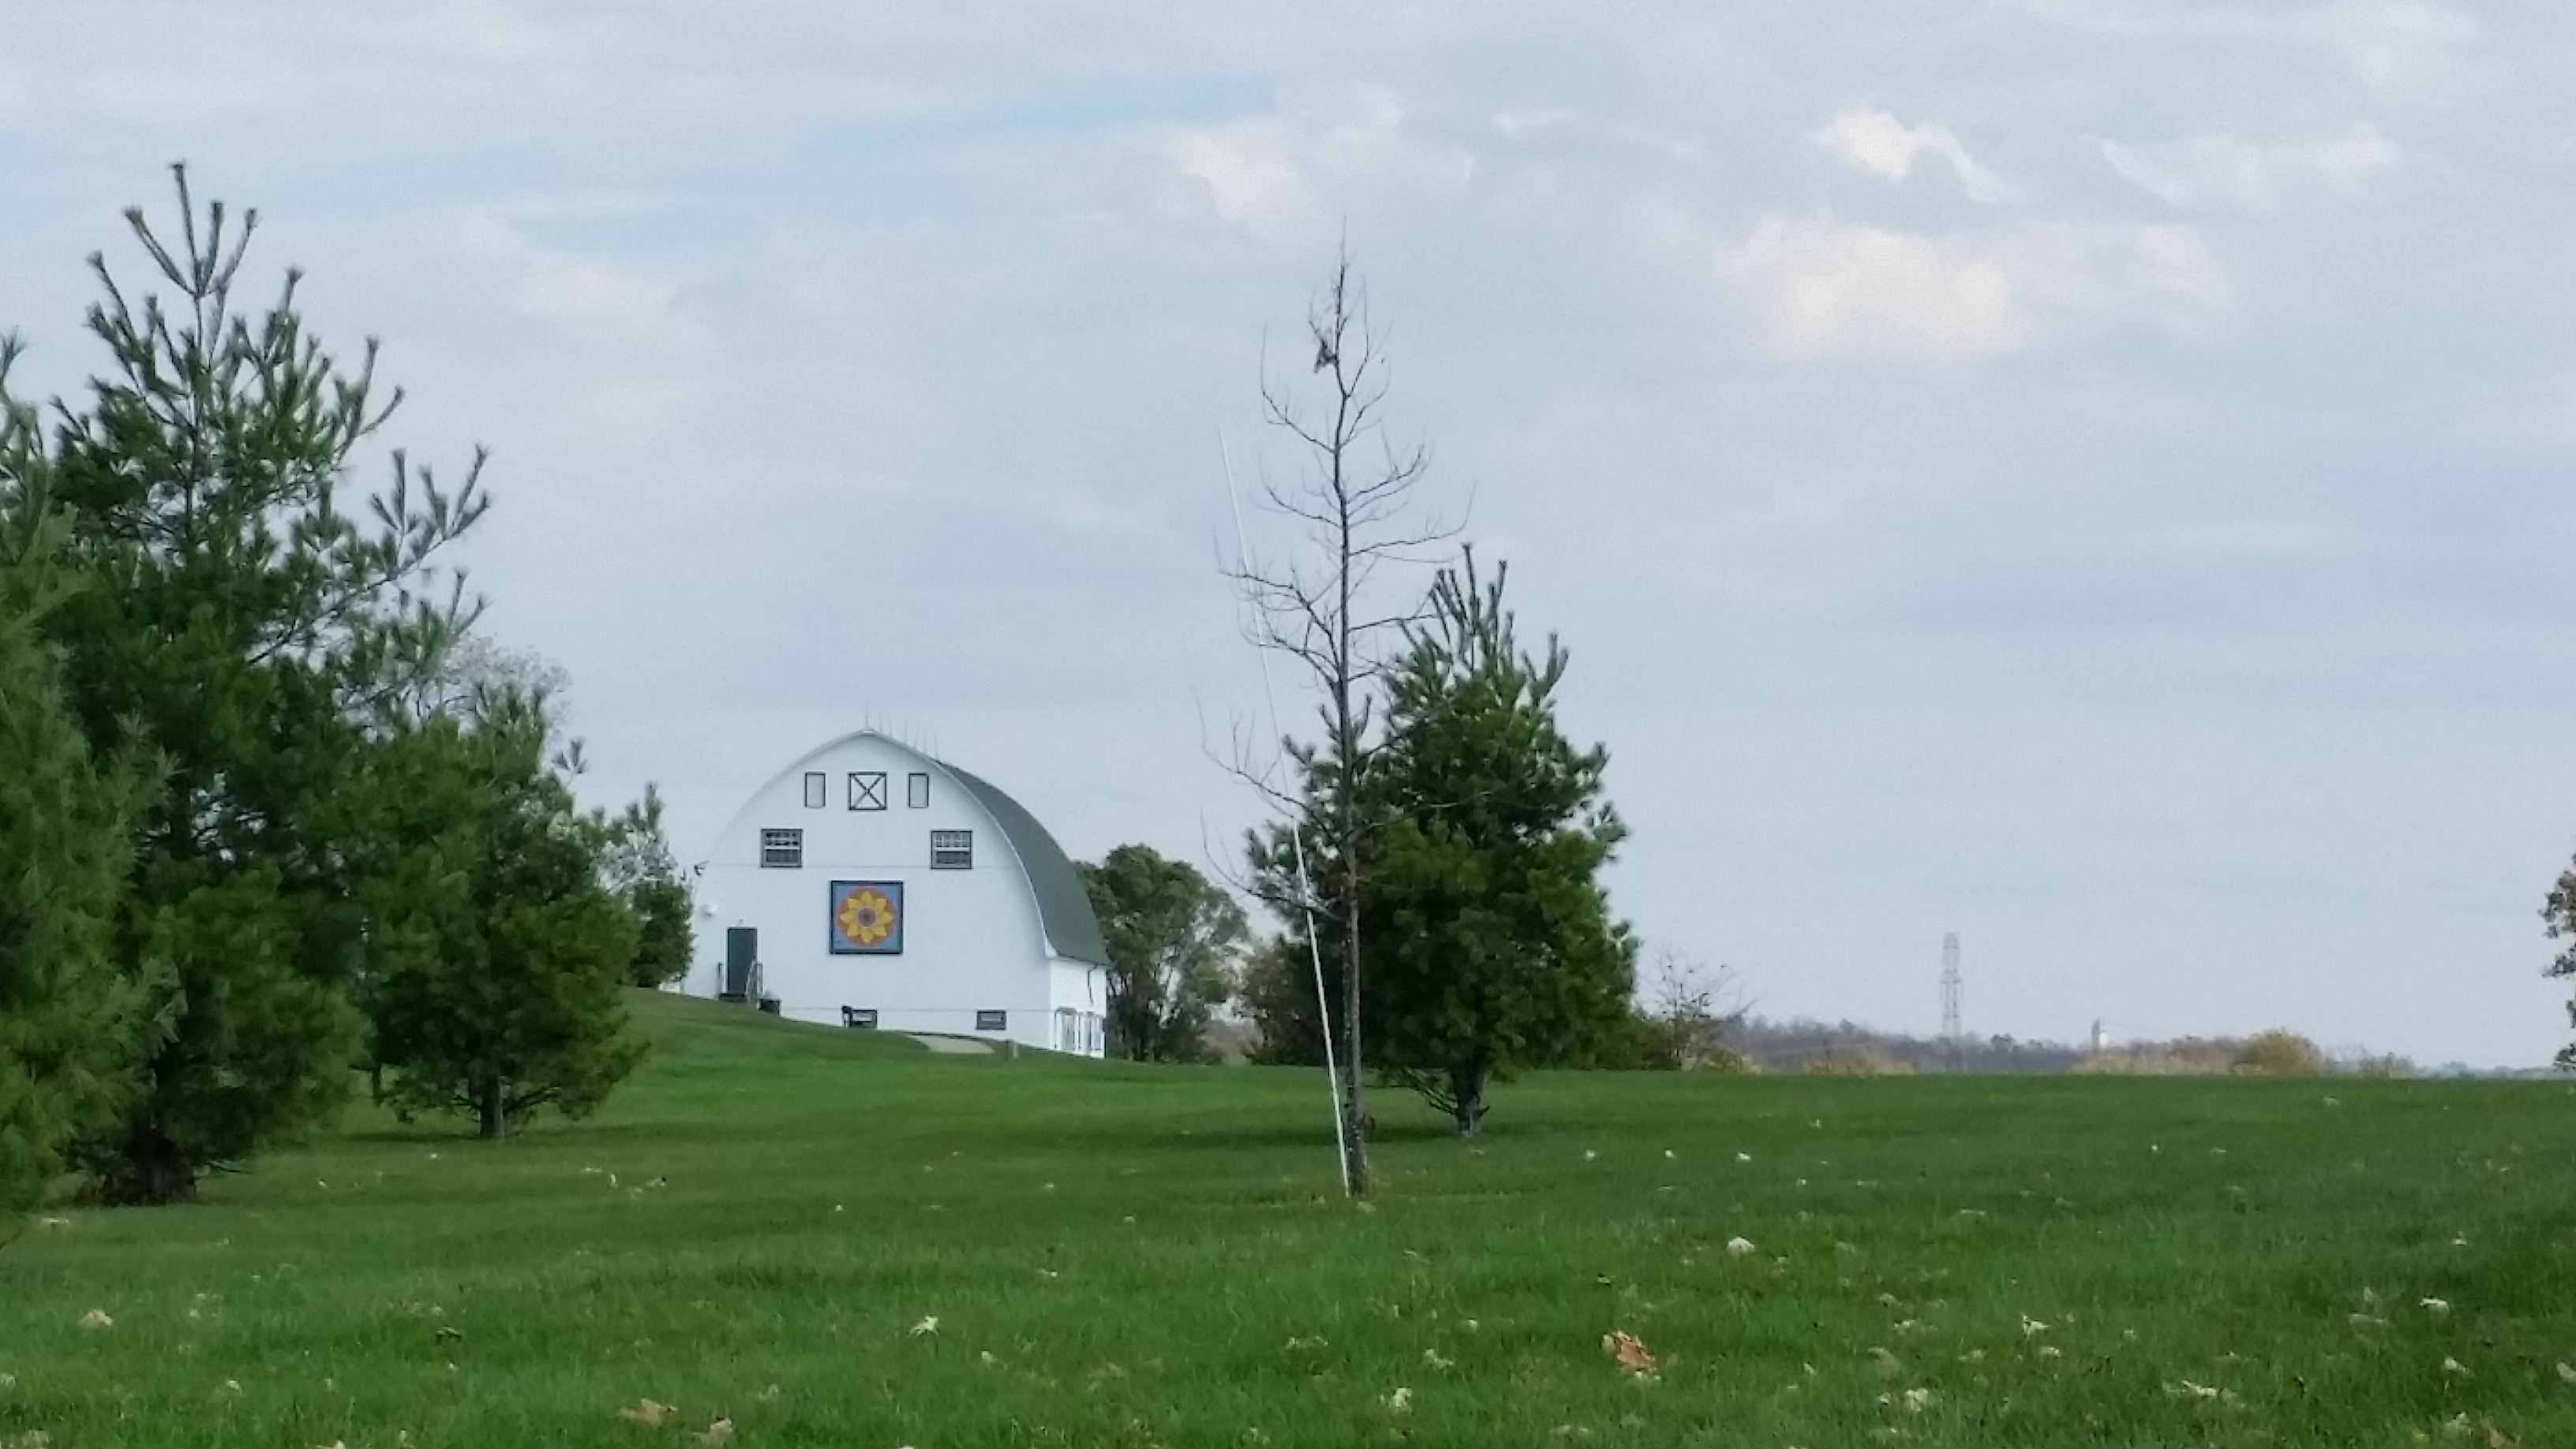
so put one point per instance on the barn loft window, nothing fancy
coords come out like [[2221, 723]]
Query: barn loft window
[[952, 850], [992, 1021], [815, 790], [782, 849], [867, 790], [916, 791]]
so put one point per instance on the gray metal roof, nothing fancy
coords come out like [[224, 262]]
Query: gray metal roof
[[1064, 907]]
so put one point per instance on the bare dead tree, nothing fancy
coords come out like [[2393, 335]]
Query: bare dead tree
[[1324, 607]]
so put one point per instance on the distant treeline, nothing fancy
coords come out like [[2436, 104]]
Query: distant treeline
[[1846, 1048]]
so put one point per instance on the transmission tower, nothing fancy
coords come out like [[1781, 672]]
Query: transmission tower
[[1950, 996]]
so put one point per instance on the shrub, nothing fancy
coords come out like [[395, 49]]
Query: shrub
[[2279, 1053]]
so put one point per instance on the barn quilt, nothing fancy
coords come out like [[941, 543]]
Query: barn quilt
[[867, 918]]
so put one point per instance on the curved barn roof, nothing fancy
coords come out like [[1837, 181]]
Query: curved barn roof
[[1064, 907]]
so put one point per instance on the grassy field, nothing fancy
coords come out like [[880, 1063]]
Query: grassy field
[[835, 1238]]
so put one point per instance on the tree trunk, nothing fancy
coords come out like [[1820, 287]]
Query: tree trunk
[[1467, 1092], [492, 1107], [150, 1170], [1355, 1165]]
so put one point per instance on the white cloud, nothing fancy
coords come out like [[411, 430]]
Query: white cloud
[[2202, 172], [1829, 287], [1288, 178], [1882, 145], [1825, 287]]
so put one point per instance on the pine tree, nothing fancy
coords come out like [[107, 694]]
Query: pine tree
[[69, 1030], [498, 989], [1498, 950], [242, 627]]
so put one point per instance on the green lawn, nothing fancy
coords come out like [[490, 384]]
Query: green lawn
[[761, 1223]]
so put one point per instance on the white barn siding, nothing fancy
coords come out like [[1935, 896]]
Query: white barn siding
[[973, 940]]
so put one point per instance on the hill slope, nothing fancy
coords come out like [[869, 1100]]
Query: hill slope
[[766, 1223]]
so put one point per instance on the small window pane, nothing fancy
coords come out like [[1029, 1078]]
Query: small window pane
[[782, 849], [952, 850], [916, 792], [867, 790], [992, 1021]]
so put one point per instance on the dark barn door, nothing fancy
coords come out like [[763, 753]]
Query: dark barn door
[[742, 948]]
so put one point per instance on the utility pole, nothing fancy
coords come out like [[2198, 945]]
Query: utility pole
[[1950, 996]]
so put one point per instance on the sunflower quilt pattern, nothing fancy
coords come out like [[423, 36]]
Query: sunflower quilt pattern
[[867, 918]]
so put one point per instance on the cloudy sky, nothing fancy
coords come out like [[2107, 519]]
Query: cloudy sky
[[2098, 476]]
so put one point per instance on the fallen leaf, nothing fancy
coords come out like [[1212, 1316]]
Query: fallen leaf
[[927, 1325], [2436, 1306], [97, 1318], [2030, 1325], [1431, 1359], [1401, 1401], [2454, 1366], [1629, 1350], [2567, 1375], [716, 1433], [1739, 1247], [1888, 1364], [2496, 1438], [650, 1413], [1917, 1400], [2050, 1350]]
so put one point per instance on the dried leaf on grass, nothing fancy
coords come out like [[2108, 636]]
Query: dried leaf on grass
[[716, 1433], [96, 1318], [1630, 1351], [651, 1413], [2201, 1393]]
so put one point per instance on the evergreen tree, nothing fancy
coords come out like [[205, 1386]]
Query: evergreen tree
[[1175, 943], [69, 1033], [243, 625], [1498, 948], [503, 956]]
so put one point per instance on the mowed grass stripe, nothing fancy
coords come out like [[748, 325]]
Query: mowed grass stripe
[[1127, 1255]]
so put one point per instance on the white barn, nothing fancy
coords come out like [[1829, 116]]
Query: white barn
[[871, 885]]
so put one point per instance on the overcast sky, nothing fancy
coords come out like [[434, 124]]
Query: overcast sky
[[2091, 475]]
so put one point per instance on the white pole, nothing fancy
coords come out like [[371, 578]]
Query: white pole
[[1297, 845]]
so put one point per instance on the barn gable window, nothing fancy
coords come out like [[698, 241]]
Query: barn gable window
[[952, 850], [816, 791], [782, 849], [916, 791], [867, 790]]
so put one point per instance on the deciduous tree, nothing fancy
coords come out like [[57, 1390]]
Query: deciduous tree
[[1176, 944], [1327, 609]]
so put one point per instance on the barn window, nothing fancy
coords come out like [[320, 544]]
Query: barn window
[[952, 850], [916, 791], [816, 791], [782, 849], [867, 790], [992, 1021], [859, 1018]]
